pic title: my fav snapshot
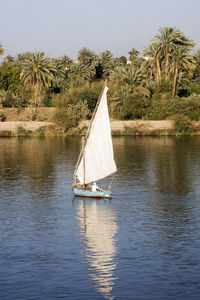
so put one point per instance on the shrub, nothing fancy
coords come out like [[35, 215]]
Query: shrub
[[167, 109], [194, 115], [88, 94], [135, 107], [72, 114], [39, 132], [47, 101], [2, 117], [163, 86], [194, 88], [18, 98], [21, 131], [183, 124]]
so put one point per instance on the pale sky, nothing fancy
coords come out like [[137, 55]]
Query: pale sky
[[63, 27]]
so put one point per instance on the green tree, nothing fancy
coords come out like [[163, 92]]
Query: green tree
[[153, 59], [63, 66], [9, 76], [197, 67], [89, 59], [133, 56], [1, 49], [122, 60], [107, 61], [183, 61], [167, 39], [127, 75], [79, 74], [37, 70]]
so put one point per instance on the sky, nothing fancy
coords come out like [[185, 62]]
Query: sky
[[63, 27]]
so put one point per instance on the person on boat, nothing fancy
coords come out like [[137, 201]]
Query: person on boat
[[94, 187]]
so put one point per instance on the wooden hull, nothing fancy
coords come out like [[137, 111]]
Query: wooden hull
[[90, 194]]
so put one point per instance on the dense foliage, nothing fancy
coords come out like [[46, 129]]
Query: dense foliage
[[162, 82]]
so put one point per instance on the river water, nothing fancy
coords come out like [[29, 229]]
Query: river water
[[143, 244]]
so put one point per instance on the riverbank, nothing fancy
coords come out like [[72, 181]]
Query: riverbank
[[135, 127], [20, 123]]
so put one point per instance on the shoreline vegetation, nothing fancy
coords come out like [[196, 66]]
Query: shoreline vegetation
[[155, 92], [17, 125]]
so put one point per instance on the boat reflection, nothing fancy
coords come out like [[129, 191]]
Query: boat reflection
[[98, 226]]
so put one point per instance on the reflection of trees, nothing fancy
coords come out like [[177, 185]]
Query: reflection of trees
[[167, 163], [35, 158], [98, 226], [26, 155], [164, 162], [173, 166]]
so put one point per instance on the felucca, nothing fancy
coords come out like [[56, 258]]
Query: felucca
[[96, 160]]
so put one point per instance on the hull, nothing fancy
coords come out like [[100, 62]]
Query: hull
[[90, 194]]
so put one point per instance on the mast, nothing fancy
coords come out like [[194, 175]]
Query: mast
[[84, 140]]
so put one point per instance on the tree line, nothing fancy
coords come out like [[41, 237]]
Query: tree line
[[161, 82]]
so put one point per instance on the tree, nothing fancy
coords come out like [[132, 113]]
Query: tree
[[9, 76], [127, 75], [167, 39], [183, 61], [133, 56], [1, 49], [89, 59], [9, 59], [197, 67], [106, 60], [63, 66], [122, 60], [37, 70], [79, 74], [151, 53]]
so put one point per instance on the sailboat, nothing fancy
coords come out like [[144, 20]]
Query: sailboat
[[96, 160]]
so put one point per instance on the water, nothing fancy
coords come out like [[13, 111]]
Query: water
[[143, 244]]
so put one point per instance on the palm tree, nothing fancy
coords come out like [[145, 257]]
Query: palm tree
[[197, 68], [37, 70], [87, 57], [107, 62], [133, 54], [63, 65], [167, 40], [1, 49], [127, 75], [79, 74], [183, 61], [148, 70], [153, 53]]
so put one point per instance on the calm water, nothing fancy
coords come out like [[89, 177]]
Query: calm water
[[143, 244]]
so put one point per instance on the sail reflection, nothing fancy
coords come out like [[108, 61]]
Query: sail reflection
[[98, 226]]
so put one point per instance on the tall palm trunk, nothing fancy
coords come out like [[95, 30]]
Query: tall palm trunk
[[175, 80], [167, 65], [158, 69]]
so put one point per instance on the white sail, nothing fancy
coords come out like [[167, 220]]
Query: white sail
[[99, 159]]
